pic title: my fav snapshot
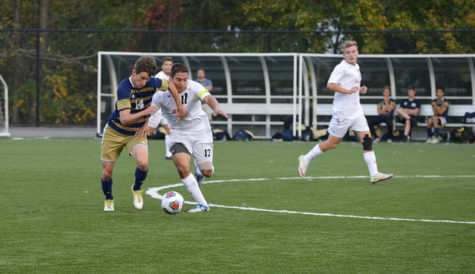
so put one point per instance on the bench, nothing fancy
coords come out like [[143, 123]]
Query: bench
[[426, 110], [255, 109], [322, 110]]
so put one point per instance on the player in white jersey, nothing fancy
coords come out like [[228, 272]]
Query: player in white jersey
[[164, 74], [191, 136], [348, 114]]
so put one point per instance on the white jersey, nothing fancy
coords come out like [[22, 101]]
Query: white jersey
[[158, 117], [162, 76], [191, 98], [347, 76]]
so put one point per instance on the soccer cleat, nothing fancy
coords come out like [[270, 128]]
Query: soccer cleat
[[138, 200], [109, 205], [302, 166], [380, 177], [199, 208], [429, 140], [434, 141], [390, 140], [200, 178]]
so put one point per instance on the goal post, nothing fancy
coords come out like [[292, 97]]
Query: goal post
[[4, 130]]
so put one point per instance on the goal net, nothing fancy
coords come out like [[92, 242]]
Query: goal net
[[3, 108]]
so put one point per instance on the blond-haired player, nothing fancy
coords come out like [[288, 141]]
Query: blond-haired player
[[345, 81]]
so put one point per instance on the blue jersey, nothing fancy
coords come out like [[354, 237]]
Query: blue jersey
[[206, 82], [381, 106], [410, 104], [441, 103], [136, 100]]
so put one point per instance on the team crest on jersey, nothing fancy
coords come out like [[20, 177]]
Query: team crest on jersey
[[133, 96]]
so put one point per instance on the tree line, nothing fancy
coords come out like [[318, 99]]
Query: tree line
[[68, 68]]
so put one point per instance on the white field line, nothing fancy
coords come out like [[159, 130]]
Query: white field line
[[154, 193]]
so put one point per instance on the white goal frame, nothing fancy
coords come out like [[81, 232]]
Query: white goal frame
[[5, 131]]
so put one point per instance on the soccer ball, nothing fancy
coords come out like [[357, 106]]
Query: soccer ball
[[172, 202]]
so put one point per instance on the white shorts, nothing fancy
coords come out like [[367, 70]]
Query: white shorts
[[199, 144], [339, 127]]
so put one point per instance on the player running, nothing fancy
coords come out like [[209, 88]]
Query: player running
[[164, 74], [132, 108], [348, 114], [190, 137]]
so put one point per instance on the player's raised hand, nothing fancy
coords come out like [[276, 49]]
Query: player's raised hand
[[363, 89], [220, 112]]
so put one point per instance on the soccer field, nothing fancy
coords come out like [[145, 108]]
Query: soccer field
[[52, 217]]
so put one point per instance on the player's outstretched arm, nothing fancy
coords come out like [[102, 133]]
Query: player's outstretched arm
[[126, 118], [211, 101], [181, 111]]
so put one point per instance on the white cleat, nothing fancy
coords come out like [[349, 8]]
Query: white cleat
[[435, 141], [138, 200], [199, 208], [109, 205], [380, 177], [302, 166]]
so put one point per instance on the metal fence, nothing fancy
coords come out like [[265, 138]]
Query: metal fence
[[44, 67]]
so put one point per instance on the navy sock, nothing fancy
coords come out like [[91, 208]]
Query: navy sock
[[436, 132], [107, 189], [429, 132], [139, 178]]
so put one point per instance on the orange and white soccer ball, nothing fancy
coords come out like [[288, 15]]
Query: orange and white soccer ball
[[172, 202]]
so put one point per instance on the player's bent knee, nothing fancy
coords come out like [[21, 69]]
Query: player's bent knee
[[206, 167], [367, 143], [207, 172]]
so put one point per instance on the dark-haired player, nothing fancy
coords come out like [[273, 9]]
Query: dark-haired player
[[191, 136]]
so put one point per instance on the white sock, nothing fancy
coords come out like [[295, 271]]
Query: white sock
[[312, 153], [370, 159], [192, 186], [167, 146]]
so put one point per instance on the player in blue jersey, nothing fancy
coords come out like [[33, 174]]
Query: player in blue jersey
[[440, 107], [408, 111], [385, 115], [132, 108]]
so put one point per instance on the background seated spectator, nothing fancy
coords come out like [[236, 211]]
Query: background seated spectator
[[408, 111], [200, 78], [440, 107], [385, 115]]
